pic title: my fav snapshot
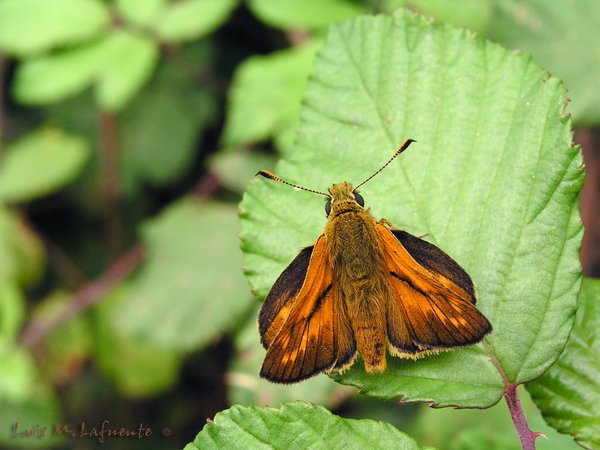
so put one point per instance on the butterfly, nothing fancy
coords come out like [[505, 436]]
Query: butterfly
[[366, 288]]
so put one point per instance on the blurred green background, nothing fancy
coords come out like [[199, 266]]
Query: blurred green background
[[128, 132]]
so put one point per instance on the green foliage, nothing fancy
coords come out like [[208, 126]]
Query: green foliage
[[191, 19], [28, 27], [21, 254], [24, 397], [190, 246], [23, 178], [306, 14], [276, 82], [503, 132], [568, 394], [119, 65], [160, 130], [296, 425], [137, 367]]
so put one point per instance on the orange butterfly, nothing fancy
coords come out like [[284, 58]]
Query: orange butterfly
[[363, 287]]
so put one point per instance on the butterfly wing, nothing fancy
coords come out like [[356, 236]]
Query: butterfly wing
[[276, 307], [433, 299], [303, 328]]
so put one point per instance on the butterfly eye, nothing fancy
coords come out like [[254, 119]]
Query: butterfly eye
[[359, 199], [328, 206]]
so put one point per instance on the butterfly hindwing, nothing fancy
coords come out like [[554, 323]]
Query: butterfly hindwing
[[305, 343], [436, 261], [433, 300], [276, 307]]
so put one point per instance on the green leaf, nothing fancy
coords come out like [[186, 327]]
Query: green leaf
[[33, 26], [187, 20], [119, 65], [493, 180], [264, 98], [140, 12], [296, 425], [12, 311], [245, 387], [568, 394], [22, 254], [191, 289], [306, 14], [41, 163], [160, 131], [561, 35], [236, 168], [138, 368], [129, 64], [51, 78], [26, 400]]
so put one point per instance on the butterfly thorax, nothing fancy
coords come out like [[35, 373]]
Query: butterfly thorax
[[354, 244]]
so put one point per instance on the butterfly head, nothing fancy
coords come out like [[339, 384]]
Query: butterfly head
[[343, 198]]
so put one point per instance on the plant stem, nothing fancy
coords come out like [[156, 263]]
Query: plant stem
[[84, 297], [109, 162], [526, 435]]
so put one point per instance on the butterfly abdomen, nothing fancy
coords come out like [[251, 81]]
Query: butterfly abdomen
[[357, 263]]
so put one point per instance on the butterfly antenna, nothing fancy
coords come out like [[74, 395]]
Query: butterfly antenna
[[403, 147], [272, 176]]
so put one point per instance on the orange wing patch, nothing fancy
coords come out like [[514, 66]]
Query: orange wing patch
[[305, 344], [432, 307]]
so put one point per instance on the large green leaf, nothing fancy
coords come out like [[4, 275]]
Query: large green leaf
[[563, 37], [40, 163], [32, 26], [568, 394], [190, 290], [493, 180], [296, 425]]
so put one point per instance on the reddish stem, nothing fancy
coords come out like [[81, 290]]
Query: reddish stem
[[109, 162], [85, 297], [526, 435]]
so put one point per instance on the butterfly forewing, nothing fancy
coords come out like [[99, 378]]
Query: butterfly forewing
[[304, 344]]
